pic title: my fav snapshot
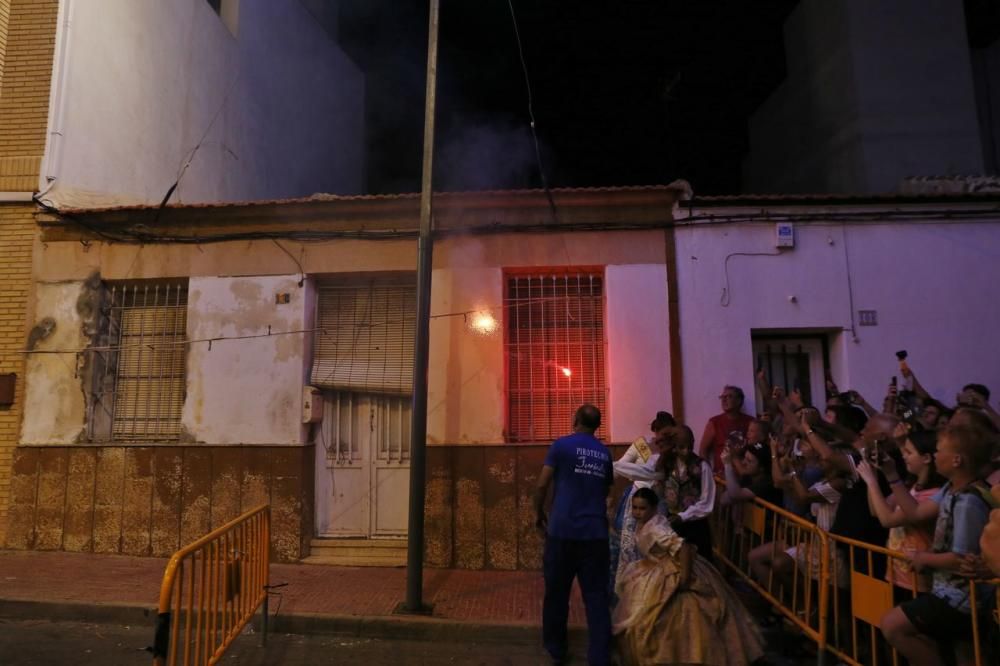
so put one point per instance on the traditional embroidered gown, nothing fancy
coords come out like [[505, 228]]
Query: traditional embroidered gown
[[639, 466], [656, 623]]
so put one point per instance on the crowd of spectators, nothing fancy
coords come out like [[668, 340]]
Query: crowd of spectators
[[917, 476]]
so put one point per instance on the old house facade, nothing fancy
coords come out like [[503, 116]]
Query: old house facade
[[215, 357], [122, 102], [229, 355]]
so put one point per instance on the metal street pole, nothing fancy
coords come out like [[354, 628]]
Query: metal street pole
[[418, 423]]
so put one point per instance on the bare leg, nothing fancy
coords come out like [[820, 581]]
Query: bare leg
[[919, 649]]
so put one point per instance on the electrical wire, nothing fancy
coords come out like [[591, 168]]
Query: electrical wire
[[134, 234], [186, 161], [270, 333], [531, 113], [298, 264], [850, 286], [724, 301]]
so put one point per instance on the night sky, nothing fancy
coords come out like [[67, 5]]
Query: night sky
[[626, 92]]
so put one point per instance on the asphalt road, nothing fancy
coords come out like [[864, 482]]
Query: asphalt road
[[32, 642]]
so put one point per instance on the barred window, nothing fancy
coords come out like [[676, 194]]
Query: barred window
[[555, 352], [140, 363]]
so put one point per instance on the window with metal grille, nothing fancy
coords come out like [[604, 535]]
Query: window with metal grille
[[139, 363], [555, 352], [794, 363]]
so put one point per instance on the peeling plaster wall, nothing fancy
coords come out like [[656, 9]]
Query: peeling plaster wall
[[466, 377], [54, 406], [245, 391]]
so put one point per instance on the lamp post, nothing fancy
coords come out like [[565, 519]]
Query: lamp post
[[418, 422]]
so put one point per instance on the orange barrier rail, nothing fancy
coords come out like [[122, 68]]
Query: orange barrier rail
[[839, 592], [742, 528], [211, 588], [858, 608]]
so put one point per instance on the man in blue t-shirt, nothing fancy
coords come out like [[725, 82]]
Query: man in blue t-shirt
[[576, 539]]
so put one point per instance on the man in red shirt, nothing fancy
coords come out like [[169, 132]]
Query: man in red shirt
[[718, 428]]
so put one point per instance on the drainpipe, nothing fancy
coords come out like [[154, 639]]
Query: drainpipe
[[674, 315], [52, 159], [418, 424]]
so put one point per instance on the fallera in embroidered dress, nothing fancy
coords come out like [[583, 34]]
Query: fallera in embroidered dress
[[655, 623], [638, 465]]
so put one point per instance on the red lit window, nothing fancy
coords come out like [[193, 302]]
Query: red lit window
[[555, 352]]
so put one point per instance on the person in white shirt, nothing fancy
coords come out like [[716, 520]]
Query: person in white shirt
[[638, 464]]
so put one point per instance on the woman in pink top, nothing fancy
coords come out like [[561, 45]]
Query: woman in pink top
[[718, 428]]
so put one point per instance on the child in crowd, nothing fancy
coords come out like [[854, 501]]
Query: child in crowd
[[674, 607], [926, 629], [918, 455]]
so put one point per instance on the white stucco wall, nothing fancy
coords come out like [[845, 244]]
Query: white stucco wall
[[638, 340], [930, 283], [277, 107], [245, 391]]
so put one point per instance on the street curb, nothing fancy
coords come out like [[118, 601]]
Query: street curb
[[78, 611], [390, 627]]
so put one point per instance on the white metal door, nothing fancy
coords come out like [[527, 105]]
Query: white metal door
[[362, 465]]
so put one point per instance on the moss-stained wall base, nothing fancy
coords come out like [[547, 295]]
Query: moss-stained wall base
[[152, 500], [478, 511]]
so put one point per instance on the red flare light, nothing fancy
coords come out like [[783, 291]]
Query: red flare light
[[566, 372]]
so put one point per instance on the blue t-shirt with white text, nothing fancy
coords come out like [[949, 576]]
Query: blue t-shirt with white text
[[582, 474]]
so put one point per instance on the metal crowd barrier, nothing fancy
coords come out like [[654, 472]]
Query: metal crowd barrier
[[842, 620], [211, 588], [740, 528]]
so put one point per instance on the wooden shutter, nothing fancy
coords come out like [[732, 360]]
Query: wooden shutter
[[365, 338], [555, 352], [149, 325]]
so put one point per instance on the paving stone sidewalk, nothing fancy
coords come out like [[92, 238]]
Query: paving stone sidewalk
[[485, 597]]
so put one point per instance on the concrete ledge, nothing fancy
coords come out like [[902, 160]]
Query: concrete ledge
[[389, 627]]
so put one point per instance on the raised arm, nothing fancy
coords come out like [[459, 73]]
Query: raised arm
[[765, 392], [859, 400], [887, 515], [637, 471], [804, 425], [914, 512]]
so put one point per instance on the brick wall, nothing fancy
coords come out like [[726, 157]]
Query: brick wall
[[27, 43], [17, 225], [4, 19]]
